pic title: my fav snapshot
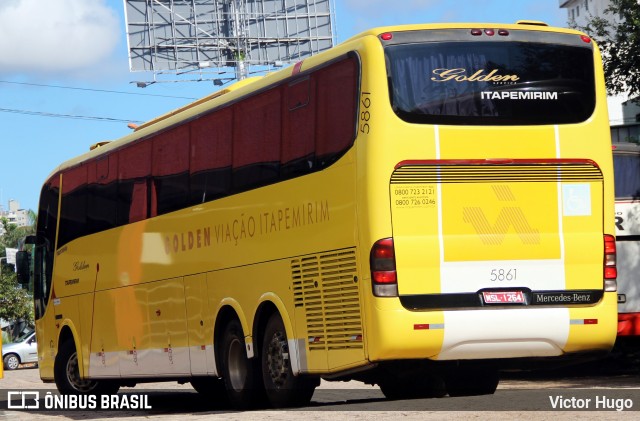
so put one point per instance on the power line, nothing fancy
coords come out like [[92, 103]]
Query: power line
[[75, 117], [95, 90]]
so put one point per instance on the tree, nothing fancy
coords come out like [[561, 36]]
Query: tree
[[15, 302], [618, 35]]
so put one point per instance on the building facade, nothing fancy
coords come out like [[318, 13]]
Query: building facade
[[14, 215]]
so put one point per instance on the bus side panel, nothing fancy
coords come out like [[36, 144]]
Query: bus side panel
[[141, 330], [85, 309], [107, 325], [199, 324]]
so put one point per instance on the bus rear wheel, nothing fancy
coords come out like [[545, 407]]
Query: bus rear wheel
[[283, 388], [66, 373], [241, 375]]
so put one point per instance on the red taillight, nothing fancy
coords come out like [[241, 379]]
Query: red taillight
[[385, 277], [387, 36], [383, 269], [610, 270]]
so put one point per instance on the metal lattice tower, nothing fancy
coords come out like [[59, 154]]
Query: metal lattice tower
[[224, 39]]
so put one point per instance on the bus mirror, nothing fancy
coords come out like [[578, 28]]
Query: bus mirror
[[23, 268]]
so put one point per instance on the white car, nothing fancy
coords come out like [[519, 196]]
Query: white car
[[23, 350]]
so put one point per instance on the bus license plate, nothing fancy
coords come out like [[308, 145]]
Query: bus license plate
[[503, 297]]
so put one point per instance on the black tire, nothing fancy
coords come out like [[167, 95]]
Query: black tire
[[241, 375], [472, 382], [415, 386], [67, 375], [11, 362], [283, 388]]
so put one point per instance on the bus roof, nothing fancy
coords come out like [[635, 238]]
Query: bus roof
[[519, 25], [248, 85]]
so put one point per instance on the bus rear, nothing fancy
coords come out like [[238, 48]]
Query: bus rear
[[498, 238]]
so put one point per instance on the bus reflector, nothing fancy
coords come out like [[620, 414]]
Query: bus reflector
[[610, 270], [583, 321], [382, 261]]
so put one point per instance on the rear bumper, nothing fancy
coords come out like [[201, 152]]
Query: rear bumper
[[490, 333]]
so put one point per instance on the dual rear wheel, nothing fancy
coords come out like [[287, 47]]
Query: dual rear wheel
[[267, 380]]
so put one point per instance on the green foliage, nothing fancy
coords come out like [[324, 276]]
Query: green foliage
[[15, 303], [620, 44]]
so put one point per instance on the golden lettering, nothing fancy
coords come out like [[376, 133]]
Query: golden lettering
[[460, 75]]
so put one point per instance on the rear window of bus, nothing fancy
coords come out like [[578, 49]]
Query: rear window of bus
[[491, 83]]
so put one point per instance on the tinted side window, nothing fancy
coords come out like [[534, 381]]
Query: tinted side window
[[73, 212], [336, 112], [134, 169], [299, 128], [211, 156], [171, 169], [103, 193], [256, 140]]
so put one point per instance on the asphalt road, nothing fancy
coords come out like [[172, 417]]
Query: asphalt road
[[527, 397]]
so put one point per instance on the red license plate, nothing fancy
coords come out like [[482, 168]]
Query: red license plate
[[503, 297]]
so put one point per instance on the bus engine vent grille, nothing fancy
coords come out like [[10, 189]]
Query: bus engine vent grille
[[488, 172], [325, 285]]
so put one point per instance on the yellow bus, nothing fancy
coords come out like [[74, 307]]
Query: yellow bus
[[415, 208]]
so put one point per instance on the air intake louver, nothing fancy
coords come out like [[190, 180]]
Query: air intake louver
[[326, 286]]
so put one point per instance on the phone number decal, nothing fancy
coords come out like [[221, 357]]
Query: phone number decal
[[412, 196]]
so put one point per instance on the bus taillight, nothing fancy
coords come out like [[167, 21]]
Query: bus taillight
[[610, 270], [383, 269]]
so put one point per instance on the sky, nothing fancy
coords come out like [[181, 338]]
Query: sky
[[65, 59]]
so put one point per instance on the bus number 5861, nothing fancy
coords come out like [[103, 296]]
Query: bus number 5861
[[503, 275]]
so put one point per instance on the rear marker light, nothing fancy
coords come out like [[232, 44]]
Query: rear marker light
[[476, 32], [490, 32], [428, 326], [583, 321], [585, 39], [503, 32], [387, 36]]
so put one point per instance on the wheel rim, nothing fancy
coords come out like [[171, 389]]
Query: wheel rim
[[73, 375], [236, 364], [277, 359], [12, 362]]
